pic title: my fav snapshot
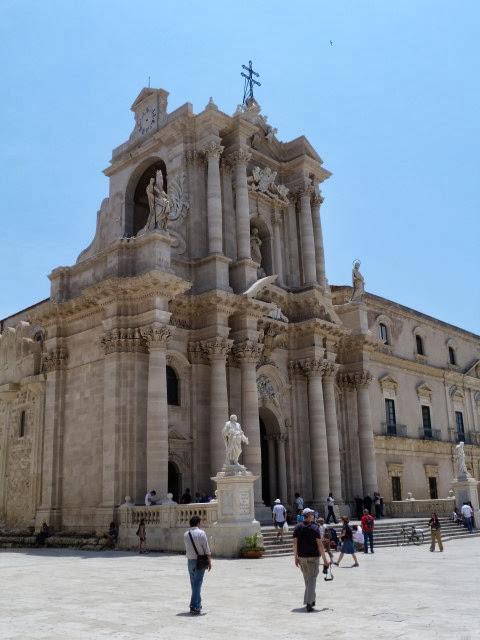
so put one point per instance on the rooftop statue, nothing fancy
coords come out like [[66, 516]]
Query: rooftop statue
[[358, 284]]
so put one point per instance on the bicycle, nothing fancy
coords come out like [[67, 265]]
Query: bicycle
[[409, 533]]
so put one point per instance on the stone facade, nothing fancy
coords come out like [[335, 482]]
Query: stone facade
[[123, 379]]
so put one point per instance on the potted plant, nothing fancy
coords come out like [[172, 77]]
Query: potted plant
[[251, 548]]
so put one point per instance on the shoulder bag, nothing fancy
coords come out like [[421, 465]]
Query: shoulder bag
[[202, 560]]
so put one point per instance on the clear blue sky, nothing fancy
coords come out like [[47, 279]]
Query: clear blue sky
[[392, 107]]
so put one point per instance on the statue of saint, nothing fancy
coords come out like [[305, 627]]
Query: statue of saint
[[358, 284], [462, 470], [255, 244], [158, 203], [233, 437]]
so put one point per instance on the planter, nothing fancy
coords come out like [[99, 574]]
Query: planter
[[251, 554]]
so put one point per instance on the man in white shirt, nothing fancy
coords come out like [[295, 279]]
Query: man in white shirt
[[196, 544], [279, 514], [151, 498], [299, 503], [467, 513]]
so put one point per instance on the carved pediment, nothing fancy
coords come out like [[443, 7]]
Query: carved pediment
[[424, 391], [388, 382], [174, 434]]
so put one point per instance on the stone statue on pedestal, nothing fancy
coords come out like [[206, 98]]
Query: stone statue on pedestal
[[233, 437], [358, 284], [462, 470], [159, 203]]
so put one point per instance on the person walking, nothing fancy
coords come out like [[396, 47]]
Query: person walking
[[435, 533], [467, 513], [307, 549], [299, 503], [368, 524], [331, 512], [142, 537], [196, 544], [347, 543], [279, 514]]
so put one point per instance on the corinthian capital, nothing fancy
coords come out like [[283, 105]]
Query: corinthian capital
[[126, 339], [157, 335], [248, 351], [363, 379], [317, 201], [55, 359], [242, 156], [216, 348], [313, 367], [330, 371], [213, 150]]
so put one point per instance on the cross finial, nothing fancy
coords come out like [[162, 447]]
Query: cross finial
[[249, 82]]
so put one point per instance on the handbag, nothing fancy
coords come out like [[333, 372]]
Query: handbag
[[202, 560]]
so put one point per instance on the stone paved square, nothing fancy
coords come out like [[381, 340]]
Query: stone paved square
[[405, 593]]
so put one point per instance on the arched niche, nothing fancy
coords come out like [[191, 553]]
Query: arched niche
[[136, 201], [265, 235]]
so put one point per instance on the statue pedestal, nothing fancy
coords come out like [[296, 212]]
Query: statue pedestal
[[236, 513], [465, 489]]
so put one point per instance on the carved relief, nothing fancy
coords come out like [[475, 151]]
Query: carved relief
[[55, 359], [123, 340], [263, 180], [248, 351], [266, 391], [158, 335]]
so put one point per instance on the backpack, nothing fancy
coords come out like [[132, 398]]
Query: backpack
[[369, 522]]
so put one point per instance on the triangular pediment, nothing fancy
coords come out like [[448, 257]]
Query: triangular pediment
[[424, 390], [473, 369], [146, 93], [174, 434]]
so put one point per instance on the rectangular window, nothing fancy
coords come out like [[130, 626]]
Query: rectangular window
[[419, 342], [383, 333], [451, 355], [427, 423], [396, 488], [432, 486], [459, 423], [390, 416]]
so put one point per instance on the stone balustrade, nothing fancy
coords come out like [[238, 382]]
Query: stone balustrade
[[419, 508], [165, 524]]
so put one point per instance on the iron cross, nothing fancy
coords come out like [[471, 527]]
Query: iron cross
[[249, 82]]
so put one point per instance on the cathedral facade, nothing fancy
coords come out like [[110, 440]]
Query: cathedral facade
[[204, 294]]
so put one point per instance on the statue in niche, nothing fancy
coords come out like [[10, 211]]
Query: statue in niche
[[255, 244], [233, 437], [158, 203], [461, 465], [358, 283]]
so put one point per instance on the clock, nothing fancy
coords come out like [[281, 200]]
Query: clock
[[146, 120]]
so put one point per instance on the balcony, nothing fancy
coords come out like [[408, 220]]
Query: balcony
[[462, 436], [427, 433], [394, 429]]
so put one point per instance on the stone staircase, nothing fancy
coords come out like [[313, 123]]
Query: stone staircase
[[385, 535], [23, 538]]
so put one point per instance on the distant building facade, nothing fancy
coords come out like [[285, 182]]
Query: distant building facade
[[204, 294]]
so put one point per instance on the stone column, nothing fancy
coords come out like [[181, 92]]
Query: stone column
[[213, 152], [365, 434], [217, 350], [54, 364], [157, 336], [240, 160], [282, 467], [318, 238], [306, 232], [277, 247], [248, 353], [333, 445], [272, 468], [318, 431], [353, 451]]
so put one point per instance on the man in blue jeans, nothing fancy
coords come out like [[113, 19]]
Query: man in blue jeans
[[196, 543], [368, 525]]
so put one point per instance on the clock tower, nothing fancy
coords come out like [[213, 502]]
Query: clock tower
[[150, 109]]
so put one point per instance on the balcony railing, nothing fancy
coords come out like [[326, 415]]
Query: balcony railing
[[394, 429], [427, 433], [463, 436]]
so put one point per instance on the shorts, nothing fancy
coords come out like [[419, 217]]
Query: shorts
[[279, 524]]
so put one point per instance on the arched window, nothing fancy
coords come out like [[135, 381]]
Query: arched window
[[383, 332], [419, 341], [172, 388], [451, 355], [21, 428]]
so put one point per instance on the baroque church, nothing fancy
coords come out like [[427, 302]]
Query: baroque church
[[204, 294]]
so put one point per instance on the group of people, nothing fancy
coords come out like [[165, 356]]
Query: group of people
[[465, 516], [151, 498]]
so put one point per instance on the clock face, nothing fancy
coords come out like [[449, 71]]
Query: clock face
[[146, 120]]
